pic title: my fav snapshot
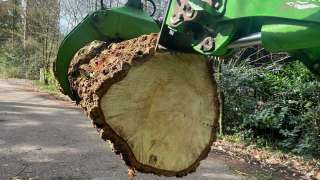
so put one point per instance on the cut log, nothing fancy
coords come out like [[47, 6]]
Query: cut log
[[159, 110]]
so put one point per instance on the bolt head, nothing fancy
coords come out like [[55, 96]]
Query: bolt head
[[189, 11], [207, 44], [177, 18]]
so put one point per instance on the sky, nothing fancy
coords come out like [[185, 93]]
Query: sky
[[64, 27]]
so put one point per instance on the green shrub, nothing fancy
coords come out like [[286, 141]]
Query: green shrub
[[279, 108]]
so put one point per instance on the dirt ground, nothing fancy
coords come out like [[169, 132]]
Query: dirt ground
[[45, 138]]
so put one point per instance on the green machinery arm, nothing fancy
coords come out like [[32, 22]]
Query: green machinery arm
[[210, 27], [214, 27], [110, 25]]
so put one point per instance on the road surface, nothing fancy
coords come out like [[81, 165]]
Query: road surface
[[45, 138]]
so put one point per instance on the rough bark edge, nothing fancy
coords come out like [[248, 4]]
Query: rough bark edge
[[83, 56], [120, 146]]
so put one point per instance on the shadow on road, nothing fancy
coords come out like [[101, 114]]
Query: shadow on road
[[29, 106]]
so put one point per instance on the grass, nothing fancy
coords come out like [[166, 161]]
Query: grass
[[232, 138], [51, 89]]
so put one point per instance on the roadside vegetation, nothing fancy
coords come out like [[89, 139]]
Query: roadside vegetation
[[51, 88], [278, 109], [271, 110]]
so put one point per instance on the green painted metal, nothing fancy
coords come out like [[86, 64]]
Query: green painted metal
[[285, 25], [308, 10], [287, 37], [107, 25], [222, 39], [310, 58]]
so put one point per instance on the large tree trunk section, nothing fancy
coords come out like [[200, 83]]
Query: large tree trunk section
[[159, 110]]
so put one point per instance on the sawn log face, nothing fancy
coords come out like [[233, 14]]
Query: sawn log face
[[159, 110]]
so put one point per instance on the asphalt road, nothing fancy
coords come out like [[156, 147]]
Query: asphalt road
[[45, 138]]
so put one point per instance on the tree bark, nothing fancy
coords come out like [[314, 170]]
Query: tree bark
[[159, 110]]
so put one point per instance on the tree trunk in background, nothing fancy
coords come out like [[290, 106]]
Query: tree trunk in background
[[221, 97]]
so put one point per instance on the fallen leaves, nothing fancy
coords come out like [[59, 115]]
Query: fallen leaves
[[299, 167]]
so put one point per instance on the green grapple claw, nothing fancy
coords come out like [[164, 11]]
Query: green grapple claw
[[109, 25]]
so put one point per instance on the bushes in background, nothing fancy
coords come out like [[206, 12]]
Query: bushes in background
[[273, 108]]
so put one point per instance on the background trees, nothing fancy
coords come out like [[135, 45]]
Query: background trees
[[31, 31], [30, 36]]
